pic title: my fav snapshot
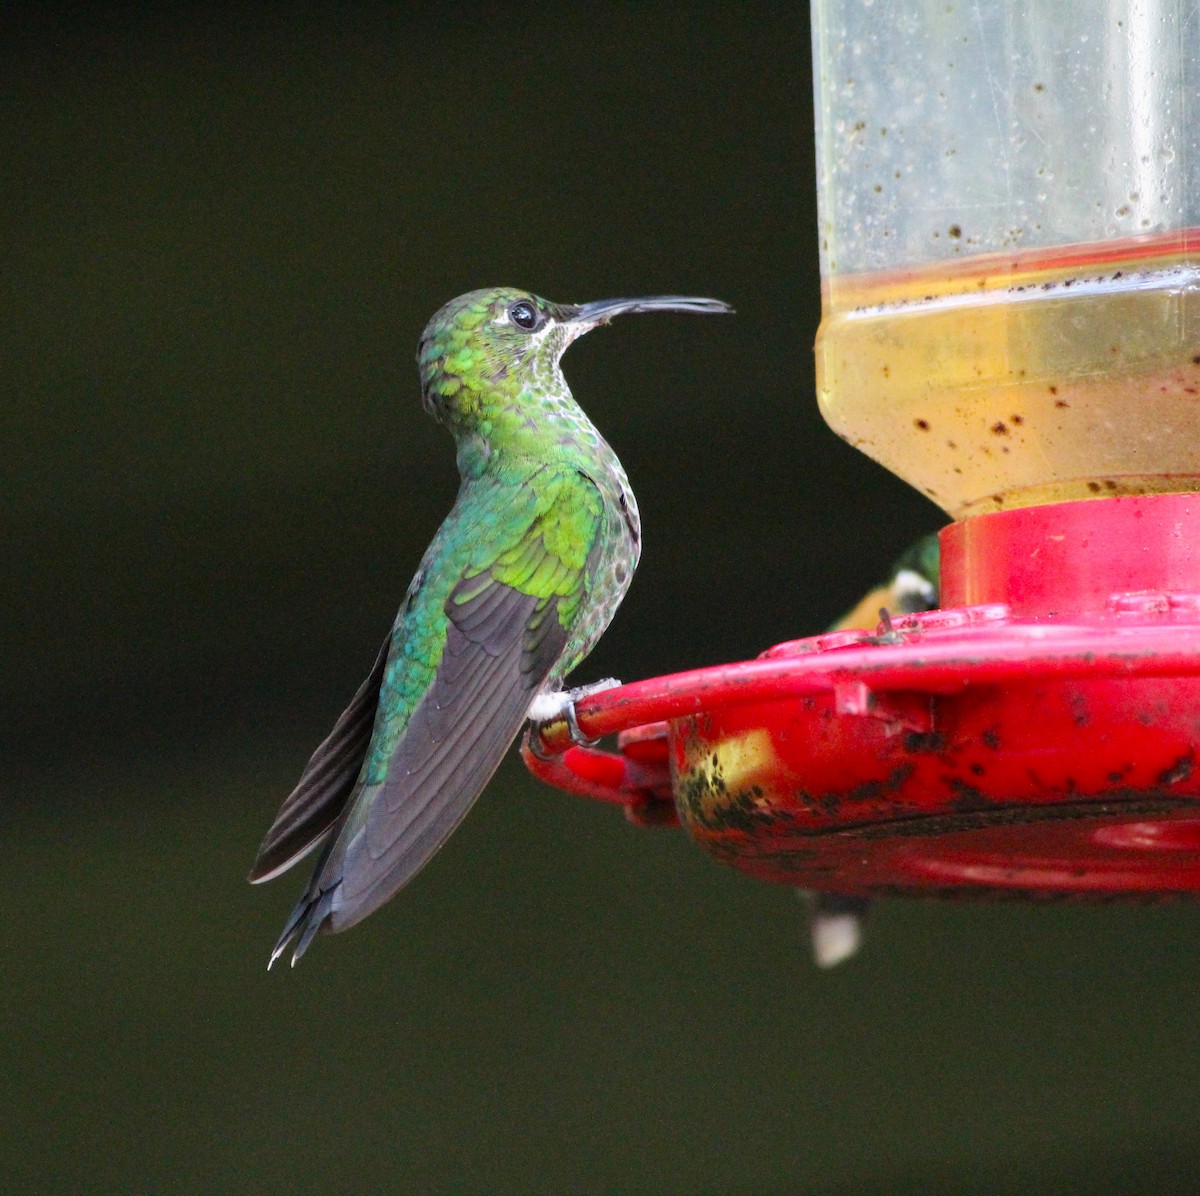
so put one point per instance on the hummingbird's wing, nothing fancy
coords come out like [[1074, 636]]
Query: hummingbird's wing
[[325, 785], [508, 619]]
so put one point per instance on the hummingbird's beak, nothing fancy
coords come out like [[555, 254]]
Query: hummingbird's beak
[[602, 310]]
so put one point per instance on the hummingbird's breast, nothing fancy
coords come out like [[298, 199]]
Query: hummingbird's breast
[[563, 435], [618, 548]]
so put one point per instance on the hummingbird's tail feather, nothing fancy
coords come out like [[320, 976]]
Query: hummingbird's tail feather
[[305, 920], [311, 809], [837, 923]]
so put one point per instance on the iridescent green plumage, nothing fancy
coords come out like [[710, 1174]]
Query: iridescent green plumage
[[520, 581]]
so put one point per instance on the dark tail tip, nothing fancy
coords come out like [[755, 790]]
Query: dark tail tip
[[302, 925]]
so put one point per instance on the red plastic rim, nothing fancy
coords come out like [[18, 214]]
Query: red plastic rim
[[1043, 744]]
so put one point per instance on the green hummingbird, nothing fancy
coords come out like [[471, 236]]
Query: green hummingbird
[[912, 585], [519, 583]]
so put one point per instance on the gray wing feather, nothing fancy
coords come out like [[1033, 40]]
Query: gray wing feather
[[320, 796], [492, 665], [500, 649]]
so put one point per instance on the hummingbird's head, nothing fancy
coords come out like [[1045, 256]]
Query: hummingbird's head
[[491, 342], [493, 346]]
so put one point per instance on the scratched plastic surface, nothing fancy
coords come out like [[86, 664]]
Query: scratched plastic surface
[[1011, 269]]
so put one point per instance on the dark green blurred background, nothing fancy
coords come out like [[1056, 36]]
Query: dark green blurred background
[[221, 237]]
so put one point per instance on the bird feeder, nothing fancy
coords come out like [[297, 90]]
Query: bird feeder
[[1010, 247]]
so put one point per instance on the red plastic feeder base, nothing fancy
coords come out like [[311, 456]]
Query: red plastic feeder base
[[1035, 737]]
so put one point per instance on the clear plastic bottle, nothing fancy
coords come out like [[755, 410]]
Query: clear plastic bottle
[[1010, 244]]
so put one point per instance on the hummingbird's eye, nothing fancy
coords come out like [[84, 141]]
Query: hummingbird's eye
[[522, 314]]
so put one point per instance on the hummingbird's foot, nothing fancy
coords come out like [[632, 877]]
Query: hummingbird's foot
[[888, 633], [836, 922], [551, 707]]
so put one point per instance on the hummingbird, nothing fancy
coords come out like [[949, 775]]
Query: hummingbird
[[519, 583], [837, 921], [912, 586]]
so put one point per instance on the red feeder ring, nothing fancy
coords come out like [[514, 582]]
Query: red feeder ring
[[1036, 736]]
